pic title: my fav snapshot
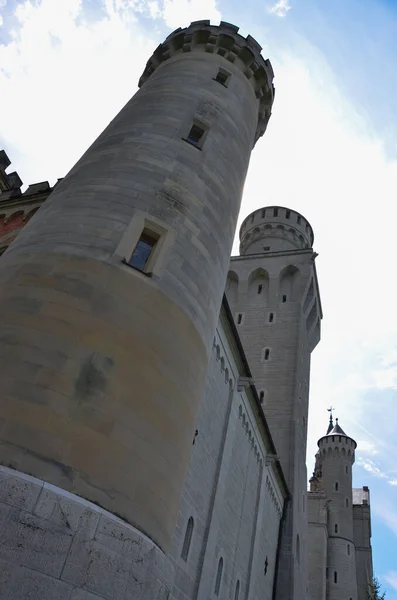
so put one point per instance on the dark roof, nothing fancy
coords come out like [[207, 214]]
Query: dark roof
[[336, 429]]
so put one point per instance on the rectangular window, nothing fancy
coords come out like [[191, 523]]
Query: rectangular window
[[335, 577], [144, 250], [284, 298], [275, 212], [222, 77], [239, 319], [259, 289], [287, 214], [196, 134], [266, 248], [298, 220]]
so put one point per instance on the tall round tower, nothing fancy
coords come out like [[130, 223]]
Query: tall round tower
[[110, 296], [334, 467]]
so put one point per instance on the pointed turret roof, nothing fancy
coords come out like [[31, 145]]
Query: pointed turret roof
[[336, 430]]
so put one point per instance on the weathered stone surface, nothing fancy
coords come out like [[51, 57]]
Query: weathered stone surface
[[65, 547]]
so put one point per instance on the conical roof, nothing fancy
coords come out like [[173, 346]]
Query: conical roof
[[337, 429]]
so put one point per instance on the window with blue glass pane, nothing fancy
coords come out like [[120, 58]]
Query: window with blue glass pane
[[143, 250]]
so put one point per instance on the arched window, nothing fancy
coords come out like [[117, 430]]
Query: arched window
[[188, 539], [237, 590], [218, 579]]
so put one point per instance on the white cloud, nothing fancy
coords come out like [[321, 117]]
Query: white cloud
[[366, 447], [393, 482], [391, 579], [281, 8], [179, 13], [372, 468]]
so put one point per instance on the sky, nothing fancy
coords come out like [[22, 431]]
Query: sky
[[330, 152]]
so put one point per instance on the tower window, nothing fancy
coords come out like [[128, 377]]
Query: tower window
[[347, 502], [188, 539], [140, 258], [218, 577], [260, 289], [239, 318], [275, 212], [336, 527], [263, 213], [346, 469], [222, 77], [335, 577], [326, 573], [287, 214], [267, 354], [271, 317], [261, 397], [284, 297], [336, 486], [196, 134], [298, 220], [266, 248], [348, 549]]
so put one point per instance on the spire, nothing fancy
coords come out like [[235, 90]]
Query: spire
[[337, 429], [331, 422]]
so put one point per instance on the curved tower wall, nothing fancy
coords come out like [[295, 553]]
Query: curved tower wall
[[103, 366], [337, 457]]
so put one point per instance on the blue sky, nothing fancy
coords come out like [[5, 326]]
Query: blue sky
[[67, 66]]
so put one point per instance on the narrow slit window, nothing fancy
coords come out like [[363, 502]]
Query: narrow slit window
[[239, 318], [284, 297], [336, 486], [348, 549], [287, 214], [263, 213], [271, 317], [275, 212], [218, 579], [347, 502], [267, 354], [298, 220], [346, 469], [336, 527], [261, 397], [335, 577], [188, 539], [237, 591], [196, 134], [144, 250], [260, 289], [222, 77]]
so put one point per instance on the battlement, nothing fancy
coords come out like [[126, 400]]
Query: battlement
[[337, 446], [225, 41], [275, 228]]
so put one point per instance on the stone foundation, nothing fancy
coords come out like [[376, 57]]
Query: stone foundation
[[57, 546]]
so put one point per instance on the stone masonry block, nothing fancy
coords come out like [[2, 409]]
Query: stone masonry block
[[96, 568], [34, 542], [18, 492], [7, 574], [118, 537], [64, 512], [31, 585]]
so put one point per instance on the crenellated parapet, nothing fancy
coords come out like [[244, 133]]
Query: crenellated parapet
[[17, 207], [225, 41]]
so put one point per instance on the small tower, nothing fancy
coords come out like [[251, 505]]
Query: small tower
[[110, 296], [334, 462], [273, 293]]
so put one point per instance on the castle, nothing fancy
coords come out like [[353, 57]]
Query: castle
[[153, 420]]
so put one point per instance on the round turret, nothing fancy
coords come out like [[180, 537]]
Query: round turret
[[333, 472], [275, 228]]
